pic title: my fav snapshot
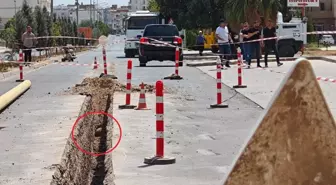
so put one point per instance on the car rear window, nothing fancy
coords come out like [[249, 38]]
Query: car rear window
[[161, 30]]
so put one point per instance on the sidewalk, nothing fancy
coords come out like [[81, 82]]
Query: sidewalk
[[262, 83], [213, 61]]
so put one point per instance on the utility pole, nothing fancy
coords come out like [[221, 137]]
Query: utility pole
[[77, 7], [91, 12], [51, 8], [15, 7]]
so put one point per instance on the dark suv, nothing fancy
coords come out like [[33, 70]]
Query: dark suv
[[159, 42]]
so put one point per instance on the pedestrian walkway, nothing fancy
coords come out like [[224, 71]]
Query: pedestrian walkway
[[262, 83]]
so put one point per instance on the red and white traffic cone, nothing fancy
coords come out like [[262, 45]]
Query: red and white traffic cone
[[95, 65], [159, 158], [240, 78], [176, 75], [219, 104], [21, 66], [128, 88], [142, 105]]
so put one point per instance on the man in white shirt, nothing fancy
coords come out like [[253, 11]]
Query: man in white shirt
[[223, 39]]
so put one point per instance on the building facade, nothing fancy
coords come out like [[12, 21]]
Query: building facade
[[138, 5], [9, 7], [323, 17], [118, 17], [85, 13]]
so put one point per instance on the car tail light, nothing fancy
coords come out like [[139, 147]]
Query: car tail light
[[143, 40], [178, 40]]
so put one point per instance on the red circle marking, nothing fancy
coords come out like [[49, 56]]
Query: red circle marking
[[90, 153]]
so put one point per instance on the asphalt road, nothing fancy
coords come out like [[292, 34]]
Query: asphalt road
[[204, 141], [35, 127]]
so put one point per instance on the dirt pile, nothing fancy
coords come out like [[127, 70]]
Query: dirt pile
[[92, 86], [148, 88], [6, 66], [95, 86]]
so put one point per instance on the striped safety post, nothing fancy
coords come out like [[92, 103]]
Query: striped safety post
[[159, 157], [240, 78], [159, 119], [95, 65], [104, 58], [176, 75], [177, 60], [219, 87], [128, 88], [142, 105], [20, 66]]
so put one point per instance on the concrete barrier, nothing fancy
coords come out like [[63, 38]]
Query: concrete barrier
[[13, 94], [294, 142]]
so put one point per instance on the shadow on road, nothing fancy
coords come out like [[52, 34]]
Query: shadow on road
[[158, 66], [145, 166], [125, 57]]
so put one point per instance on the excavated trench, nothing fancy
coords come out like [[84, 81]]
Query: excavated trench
[[93, 133]]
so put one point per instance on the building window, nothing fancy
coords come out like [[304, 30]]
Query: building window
[[322, 8]]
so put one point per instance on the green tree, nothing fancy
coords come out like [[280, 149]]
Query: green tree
[[75, 31], [48, 22], [41, 28], [20, 27], [153, 6], [9, 33], [192, 14], [27, 13], [85, 23], [56, 31], [251, 10]]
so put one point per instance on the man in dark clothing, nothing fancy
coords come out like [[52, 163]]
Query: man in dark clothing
[[268, 32], [28, 40], [254, 34], [200, 41], [244, 36]]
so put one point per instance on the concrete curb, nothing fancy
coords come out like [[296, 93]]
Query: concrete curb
[[13, 94], [214, 63], [200, 57]]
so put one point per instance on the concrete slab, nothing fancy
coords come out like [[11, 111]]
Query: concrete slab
[[34, 129], [262, 83], [202, 140], [33, 141], [294, 143]]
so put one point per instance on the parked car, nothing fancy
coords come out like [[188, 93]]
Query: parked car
[[327, 39], [152, 43]]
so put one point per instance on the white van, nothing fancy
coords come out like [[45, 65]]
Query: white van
[[135, 25], [327, 39]]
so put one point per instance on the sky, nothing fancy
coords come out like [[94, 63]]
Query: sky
[[110, 2]]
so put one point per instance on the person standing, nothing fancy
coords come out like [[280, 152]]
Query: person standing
[[200, 41], [268, 32], [28, 39], [241, 38], [244, 38], [254, 34], [223, 38]]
